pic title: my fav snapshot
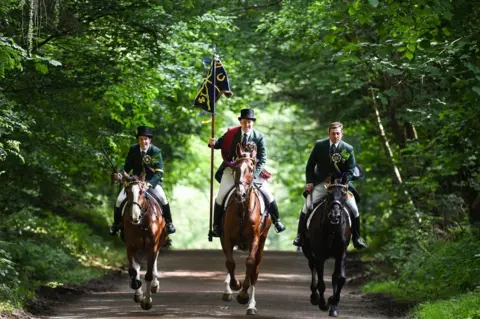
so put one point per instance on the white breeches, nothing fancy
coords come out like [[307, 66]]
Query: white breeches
[[227, 183], [157, 191], [319, 193]]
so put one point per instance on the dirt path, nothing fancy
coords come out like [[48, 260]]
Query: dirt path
[[191, 286]]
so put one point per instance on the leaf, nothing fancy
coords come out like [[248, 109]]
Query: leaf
[[476, 89], [373, 3], [42, 68], [409, 55]]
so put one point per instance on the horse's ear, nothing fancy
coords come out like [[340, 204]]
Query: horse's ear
[[142, 176], [254, 152], [239, 150], [125, 176]]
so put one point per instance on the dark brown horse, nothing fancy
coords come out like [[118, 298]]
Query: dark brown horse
[[144, 229], [328, 236], [244, 225]]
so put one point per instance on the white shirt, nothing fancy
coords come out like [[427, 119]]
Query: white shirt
[[248, 135]]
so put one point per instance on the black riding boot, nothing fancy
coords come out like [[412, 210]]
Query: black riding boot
[[217, 217], [117, 221], [168, 218], [302, 224], [358, 242], [277, 223]]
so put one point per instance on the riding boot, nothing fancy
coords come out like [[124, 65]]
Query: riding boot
[[217, 217], [117, 221], [302, 223], [168, 218], [358, 242], [277, 223]]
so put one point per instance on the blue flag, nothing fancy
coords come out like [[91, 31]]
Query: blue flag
[[213, 87]]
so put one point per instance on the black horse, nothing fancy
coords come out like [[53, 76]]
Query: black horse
[[328, 236]]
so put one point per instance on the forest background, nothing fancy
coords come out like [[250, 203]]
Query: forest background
[[402, 76]]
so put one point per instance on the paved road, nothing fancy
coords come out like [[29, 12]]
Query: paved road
[[191, 286]]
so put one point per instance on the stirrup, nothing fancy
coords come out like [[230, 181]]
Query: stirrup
[[215, 231], [298, 241], [359, 243], [279, 227], [113, 230], [170, 228]]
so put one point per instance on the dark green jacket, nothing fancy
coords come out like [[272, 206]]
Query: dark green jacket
[[153, 170], [320, 166], [254, 136]]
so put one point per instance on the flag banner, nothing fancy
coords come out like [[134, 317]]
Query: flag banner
[[215, 84]]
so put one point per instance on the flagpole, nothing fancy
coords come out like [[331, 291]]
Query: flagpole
[[212, 101]]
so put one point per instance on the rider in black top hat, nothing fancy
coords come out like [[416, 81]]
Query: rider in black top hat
[[144, 157]]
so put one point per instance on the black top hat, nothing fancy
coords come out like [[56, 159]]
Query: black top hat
[[247, 114], [144, 131]]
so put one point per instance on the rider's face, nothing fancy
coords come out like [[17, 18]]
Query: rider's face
[[247, 125], [335, 135], [144, 142]]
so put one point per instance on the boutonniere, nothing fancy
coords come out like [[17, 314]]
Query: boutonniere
[[149, 160], [345, 155]]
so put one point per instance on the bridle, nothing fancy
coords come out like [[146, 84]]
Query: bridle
[[142, 186], [238, 161]]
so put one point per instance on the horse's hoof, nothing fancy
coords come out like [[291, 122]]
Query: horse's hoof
[[227, 297], [138, 298], [251, 312], [135, 284], [333, 313], [243, 300], [315, 299], [322, 305], [146, 305], [237, 286], [154, 289]]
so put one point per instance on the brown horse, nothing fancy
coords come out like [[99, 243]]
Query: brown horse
[[144, 229], [244, 225], [328, 236]]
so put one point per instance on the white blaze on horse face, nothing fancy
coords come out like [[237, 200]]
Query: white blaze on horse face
[[136, 211]]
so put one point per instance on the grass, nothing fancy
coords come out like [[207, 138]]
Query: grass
[[466, 306]]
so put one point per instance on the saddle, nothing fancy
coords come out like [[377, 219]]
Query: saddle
[[318, 207]]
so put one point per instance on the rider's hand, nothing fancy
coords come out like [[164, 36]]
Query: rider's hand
[[308, 188], [211, 142], [116, 177]]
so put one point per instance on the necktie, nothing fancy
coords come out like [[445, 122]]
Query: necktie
[[244, 140], [143, 153], [332, 150]]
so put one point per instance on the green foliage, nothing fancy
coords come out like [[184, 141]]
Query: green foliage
[[464, 306], [434, 270]]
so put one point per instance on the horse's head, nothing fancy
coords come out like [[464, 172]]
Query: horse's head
[[243, 170], [135, 187], [336, 198]]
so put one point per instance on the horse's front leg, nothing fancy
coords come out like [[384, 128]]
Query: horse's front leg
[[338, 280], [150, 278], [252, 310], [250, 268], [233, 283], [134, 273], [319, 265], [314, 296]]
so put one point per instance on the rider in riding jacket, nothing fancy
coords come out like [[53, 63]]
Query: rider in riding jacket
[[318, 171], [144, 157], [227, 143]]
